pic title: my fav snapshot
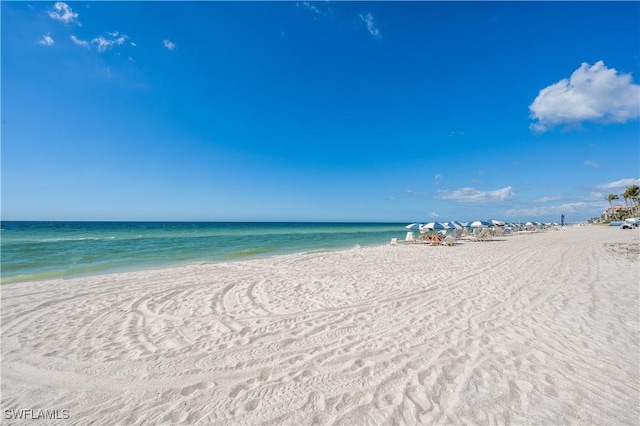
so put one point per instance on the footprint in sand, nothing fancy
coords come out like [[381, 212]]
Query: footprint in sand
[[198, 386], [316, 402]]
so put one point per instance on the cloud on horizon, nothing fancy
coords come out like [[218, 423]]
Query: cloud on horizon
[[618, 184], [591, 204], [62, 12], [592, 93], [371, 27], [471, 195], [565, 208], [548, 198]]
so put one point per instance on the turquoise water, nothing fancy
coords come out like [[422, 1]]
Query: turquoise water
[[45, 250]]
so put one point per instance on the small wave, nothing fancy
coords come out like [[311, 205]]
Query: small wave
[[57, 240], [73, 272], [249, 252], [32, 277]]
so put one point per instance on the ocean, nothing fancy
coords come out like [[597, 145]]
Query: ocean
[[47, 250]]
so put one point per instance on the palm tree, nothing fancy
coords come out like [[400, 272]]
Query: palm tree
[[633, 192], [625, 195], [610, 198]]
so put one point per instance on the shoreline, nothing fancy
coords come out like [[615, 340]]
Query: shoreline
[[162, 265], [40, 251], [528, 329], [158, 264]]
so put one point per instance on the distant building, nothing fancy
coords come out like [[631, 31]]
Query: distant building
[[615, 211]]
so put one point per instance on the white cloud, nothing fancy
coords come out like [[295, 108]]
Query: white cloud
[[368, 19], [62, 12], [46, 40], [169, 44], [576, 206], [115, 39], [590, 205], [530, 212], [592, 93], [434, 215], [567, 208], [592, 164], [314, 7], [547, 199], [471, 195], [619, 184], [437, 179], [79, 42]]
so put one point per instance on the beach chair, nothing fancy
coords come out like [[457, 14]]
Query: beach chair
[[499, 232], [425, 238], [394, 241], [482, 234], [449, 240], [409, 238], [463, 233], [437, 239]]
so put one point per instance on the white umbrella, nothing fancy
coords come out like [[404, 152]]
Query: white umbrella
[[497, 222], [436, 225], [455, 224], [479, 224], [414, 226]]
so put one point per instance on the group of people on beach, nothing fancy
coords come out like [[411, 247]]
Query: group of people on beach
[[433, 238]]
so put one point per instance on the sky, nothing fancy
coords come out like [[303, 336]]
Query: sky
[[318, 111]]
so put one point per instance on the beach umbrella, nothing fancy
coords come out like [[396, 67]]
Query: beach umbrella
[[479, 224], [496, 222], [436, 225], [414, 226], [456, 224], [528, 224]]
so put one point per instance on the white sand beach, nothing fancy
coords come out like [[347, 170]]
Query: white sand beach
[[533, 329]]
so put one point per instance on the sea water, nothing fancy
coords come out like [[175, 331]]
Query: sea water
[[47, 250]]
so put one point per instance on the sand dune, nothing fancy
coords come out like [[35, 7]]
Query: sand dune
[[530, 329]]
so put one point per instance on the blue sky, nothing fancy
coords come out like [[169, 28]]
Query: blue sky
[[329, 111]]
